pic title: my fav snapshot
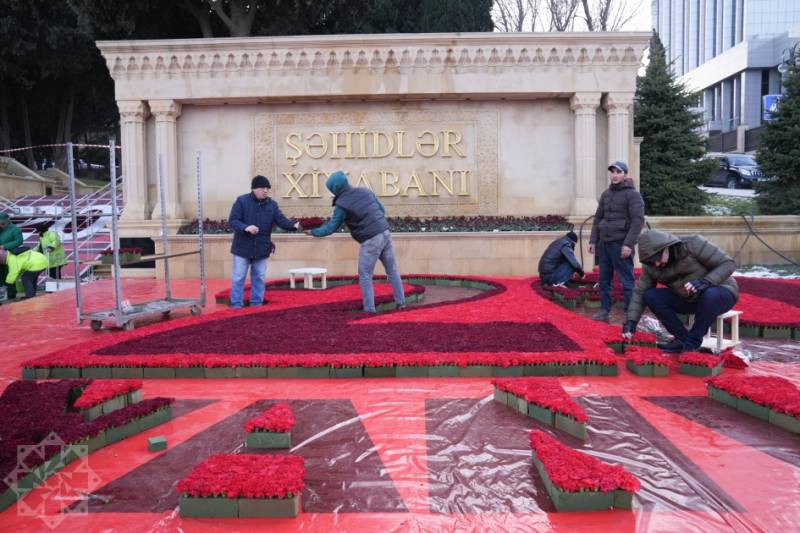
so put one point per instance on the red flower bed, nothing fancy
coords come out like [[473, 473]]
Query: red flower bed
[[245, 476], [574, 471], [639, 337], [103, 390], [640, 355], [776, 393], [699, 359], [544, 392], [786, 291], [278, 418]]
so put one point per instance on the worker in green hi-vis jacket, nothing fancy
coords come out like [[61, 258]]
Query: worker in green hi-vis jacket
[[50, 245], [10, 239], [27, 266]]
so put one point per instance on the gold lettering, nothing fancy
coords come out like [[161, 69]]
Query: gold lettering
[[315, 173], [335, 144], [362, 144], [363, 181], [376, 144], [322, 145], [295, 185], [293, 158], [401, 135], [434, 143], [439, 179], [386, 183], [463, 181], [414, 183], [452, 144]]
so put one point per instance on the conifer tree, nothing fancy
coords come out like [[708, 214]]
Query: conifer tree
[[779, 155], [671, 151]]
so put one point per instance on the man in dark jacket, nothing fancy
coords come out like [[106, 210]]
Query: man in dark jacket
[[558, 262], [251, 219], [697, 279], [617, 223], [360, 209], [10, 240]]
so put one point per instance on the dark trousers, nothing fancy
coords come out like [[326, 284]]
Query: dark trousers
[[610, 261], [55, 272], [561, 274], [29, 280], [665, 304]]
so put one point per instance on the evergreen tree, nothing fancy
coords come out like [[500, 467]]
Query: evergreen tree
[[779, 155], [671, 150]]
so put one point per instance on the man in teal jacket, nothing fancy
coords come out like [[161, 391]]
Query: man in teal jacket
[[10, 239], [27, 265], [360, 209]]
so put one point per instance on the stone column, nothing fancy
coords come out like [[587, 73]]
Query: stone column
[[132, 114], [584, 105], [618, 108], [166, 113]]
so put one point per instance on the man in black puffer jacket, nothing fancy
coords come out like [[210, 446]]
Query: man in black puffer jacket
[[360, 209], [696, 276], [558, 262]]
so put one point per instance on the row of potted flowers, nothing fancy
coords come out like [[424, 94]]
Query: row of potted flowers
[[771, 399], [271, 429], [576, 481], [34, 409], [543, 399], [243, 486], [437, 365], [105, 396], [645, 361], [700, 364]]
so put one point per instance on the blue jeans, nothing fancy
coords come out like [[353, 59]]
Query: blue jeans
[[561, 274], [665, 304], [610, 261], [258, 271], [374, 248]]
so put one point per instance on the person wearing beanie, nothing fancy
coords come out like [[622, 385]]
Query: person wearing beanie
[[558, 262], [251, 219], [617, 223], [364, 215], [10, 240]]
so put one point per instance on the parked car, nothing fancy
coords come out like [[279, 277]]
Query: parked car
[[735, 171]]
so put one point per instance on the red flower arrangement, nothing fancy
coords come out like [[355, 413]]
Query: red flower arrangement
[[100, 391], [776, 393], [574, 471], [700, 359], [278, 418], [641, 355], [245, 476], [544, 392]]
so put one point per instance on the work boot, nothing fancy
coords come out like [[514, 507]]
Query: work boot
[[601, 315], [673, 346]]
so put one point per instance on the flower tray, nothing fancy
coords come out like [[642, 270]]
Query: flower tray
[[647, 370], [239, 507], [700, 365], [770, 332], [699, 370], [519, 393], [771, 399], [269, 439]]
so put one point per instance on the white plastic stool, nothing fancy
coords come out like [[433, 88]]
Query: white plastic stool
[[308, 277], [718, 343]]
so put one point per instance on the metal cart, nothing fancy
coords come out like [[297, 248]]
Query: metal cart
[[123, 314]]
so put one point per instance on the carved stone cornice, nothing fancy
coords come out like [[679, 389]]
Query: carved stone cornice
[[132, 110], [618, 102], [517, 64], [165, 110], [584, 103]]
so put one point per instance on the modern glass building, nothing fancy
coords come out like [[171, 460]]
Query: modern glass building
[[730, 50]]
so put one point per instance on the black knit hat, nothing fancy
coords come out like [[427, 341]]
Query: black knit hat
[[572, 236], [260, 182]]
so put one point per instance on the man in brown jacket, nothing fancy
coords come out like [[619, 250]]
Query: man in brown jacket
[[617, 223], [697, 279]]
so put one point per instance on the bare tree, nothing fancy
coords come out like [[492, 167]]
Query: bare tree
[[562, 14], [513, 15], [609, 15], [237, 15]]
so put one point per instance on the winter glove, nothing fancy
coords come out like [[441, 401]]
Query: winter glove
[[629, 327], [699, 285], [581, 273]]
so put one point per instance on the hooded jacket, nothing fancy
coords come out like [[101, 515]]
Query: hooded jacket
[[29, 261], [619, 215], [691, 257], [358, 207], [556, 253], [11, 235]]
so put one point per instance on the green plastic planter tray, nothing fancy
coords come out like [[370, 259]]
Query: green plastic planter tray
[[623, 499], [96, 372], [411, 371], [769, 332], [618, 347], [65, 372], [476, 371], [159, 373], [753, 409], [541, 414], [190, 372], [580, 501], [593, 369], [127, 372], [700, 371], [610, 370], [156, 444], [507, 371], [500, 396], [155, 418], [347, 372], [571, 426], [114, 404], [784, 421], [379, 372], [313, 372], [747, 330], [251, 371], [220, 372], [269, 439], [269, 507], [722, 397], [443, 371], [208, 507]]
